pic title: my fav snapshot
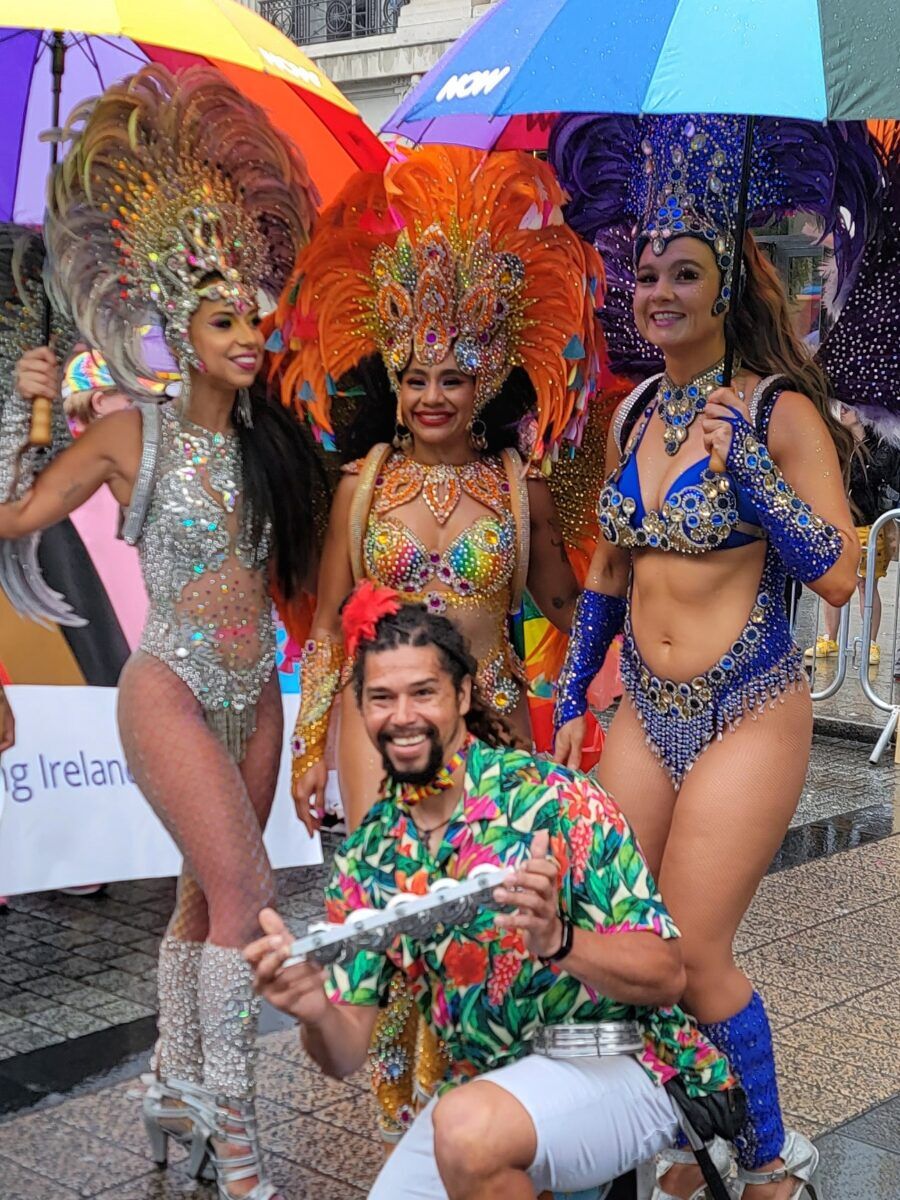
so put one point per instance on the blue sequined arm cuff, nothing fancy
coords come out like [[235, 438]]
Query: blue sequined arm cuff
[[598, 618], [808, 545]]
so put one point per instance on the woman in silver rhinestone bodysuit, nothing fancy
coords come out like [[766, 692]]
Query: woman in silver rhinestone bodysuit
[[177, 207]]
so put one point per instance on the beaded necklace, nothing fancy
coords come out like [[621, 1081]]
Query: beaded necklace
[[441, 486], [412, 794], [680, 405]]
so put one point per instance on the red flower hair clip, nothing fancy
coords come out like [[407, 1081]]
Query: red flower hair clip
[[363, 610]]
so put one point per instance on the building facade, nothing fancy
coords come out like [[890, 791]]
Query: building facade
[[374, 50]]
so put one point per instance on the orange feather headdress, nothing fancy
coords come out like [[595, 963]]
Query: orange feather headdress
[[447, 249]]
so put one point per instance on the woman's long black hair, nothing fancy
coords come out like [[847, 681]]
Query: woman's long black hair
[[284, 486], [373, 418]]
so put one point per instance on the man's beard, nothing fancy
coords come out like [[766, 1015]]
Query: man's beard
[[427, 773]]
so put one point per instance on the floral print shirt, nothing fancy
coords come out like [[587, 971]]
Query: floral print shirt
[[477, 985]]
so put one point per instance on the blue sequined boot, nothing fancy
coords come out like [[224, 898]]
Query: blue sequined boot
[[747, 1041]]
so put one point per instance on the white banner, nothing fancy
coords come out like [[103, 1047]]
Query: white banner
[[71, 813]]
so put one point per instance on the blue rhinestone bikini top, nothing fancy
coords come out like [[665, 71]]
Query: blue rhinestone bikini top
[[702, 510]]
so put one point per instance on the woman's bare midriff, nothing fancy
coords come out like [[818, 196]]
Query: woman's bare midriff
[[686, 610]]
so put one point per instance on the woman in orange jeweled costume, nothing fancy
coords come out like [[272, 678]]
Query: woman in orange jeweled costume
[[449, 305]]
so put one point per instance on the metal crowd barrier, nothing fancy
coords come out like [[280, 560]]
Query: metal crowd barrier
[[853, 653], [892, 705]]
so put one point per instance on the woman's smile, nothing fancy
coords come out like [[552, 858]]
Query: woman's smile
[[432, 418]]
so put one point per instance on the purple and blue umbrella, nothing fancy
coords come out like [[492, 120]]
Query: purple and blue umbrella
[[815, 60], [526, 60]]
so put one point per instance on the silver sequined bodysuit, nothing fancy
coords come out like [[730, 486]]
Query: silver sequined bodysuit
[[210, 617]]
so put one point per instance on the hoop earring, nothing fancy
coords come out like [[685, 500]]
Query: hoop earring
[[478, 434], [402, 436], [244, 408]]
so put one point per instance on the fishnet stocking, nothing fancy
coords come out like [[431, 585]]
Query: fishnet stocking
[[709, 847], [732, 812], [214, 809]]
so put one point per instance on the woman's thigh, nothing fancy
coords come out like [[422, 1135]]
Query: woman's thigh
[[631, 774], [199, 794], [262, 759], [731, 815]]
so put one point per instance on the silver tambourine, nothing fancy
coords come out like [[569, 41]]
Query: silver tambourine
[[588, 1039], [447, 902]]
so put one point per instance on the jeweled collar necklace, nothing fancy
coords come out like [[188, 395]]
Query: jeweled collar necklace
[[681, 404]]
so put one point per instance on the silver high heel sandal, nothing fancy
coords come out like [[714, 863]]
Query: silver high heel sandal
[[166, 1116], [232, 1123], [719, 1152], [800, 1158], [177, 1056], [229, 1014]]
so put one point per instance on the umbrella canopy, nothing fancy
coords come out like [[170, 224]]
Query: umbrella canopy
[[813, 59], [107, 39]]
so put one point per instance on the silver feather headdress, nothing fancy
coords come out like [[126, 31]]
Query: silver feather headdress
[[175, 188], [22, 301]]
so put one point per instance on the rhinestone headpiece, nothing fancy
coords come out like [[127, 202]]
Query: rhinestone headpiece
[[175, 189], [446, 251], [435, 296], [688, 186], [679, 176]]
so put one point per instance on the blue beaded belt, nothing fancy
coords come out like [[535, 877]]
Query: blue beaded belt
[[681, 719]]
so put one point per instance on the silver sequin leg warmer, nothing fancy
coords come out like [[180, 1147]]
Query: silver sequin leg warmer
[[180, 1048], [229, 1015]]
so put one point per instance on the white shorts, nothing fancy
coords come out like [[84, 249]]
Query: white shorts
[[595, 1119]]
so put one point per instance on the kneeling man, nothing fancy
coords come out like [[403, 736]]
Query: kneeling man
[[587, 939]]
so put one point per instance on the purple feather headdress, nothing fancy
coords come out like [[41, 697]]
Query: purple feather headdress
[[650, 179], [861, 354], [629, 354]]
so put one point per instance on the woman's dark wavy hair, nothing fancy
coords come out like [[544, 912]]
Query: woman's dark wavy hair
[[284, 486], [374, 417], [414, 625], [767, 344]]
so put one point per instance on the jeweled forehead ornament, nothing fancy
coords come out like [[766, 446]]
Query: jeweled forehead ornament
[[688, 186], [212, 249], [440, 295]]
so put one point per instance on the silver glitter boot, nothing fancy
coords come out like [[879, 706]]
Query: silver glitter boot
[[180, 1045], [229, 1015], [179, 1056]]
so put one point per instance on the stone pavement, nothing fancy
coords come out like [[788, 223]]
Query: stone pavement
[[822, 941]]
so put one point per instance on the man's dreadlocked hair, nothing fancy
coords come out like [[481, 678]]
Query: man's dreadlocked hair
[[414, 625]]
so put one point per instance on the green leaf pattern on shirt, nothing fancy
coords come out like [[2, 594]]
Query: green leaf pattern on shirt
[[477, 985]]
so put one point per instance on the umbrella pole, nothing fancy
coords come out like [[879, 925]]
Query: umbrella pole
[[740, 229], [41, 433]]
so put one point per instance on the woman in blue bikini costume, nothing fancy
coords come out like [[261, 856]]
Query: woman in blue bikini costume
[[693, 560]]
